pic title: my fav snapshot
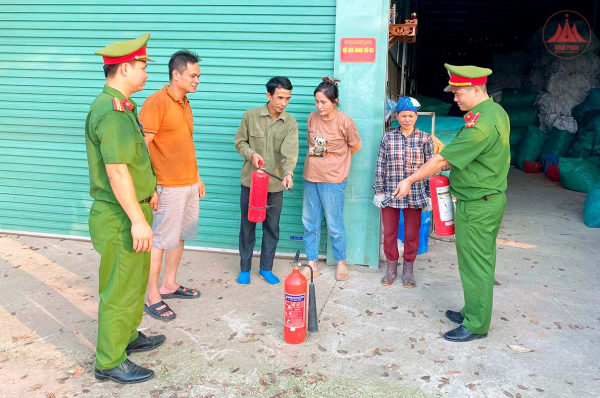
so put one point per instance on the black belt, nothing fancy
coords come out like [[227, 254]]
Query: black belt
[[149, 198]]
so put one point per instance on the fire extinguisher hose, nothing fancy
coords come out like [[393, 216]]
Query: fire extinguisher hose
[[275, 177]]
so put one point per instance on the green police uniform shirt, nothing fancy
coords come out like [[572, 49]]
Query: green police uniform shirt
[[113, 135], [480, 153]]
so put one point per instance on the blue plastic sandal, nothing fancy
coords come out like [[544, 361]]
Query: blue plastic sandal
[[269, 277], [243, 279]]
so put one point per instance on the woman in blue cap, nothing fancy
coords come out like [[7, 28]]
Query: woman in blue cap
[[402, 151]]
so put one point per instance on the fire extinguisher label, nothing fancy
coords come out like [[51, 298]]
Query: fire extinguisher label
[[445, 205], [295, 310]]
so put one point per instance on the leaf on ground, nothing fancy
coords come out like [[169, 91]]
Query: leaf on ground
[[35, 388], [232, 336], [369, 313], [508, 394], [471, 386], [77, 371], [235, 370], [558, 325], [518, 348], [534, 321], [504, 319], [576, 327], [325, 379], [522, 387], [377, 352], [422, 352], [438, 361], [386, 374], [313, 357], [262, 389], [322, 349], [539, 390], [411, 313], [496, 283], [16, 339], [343, 352], [249, 338], [272, 378], [426, 378], [387, 350], [394, 308], [452, 372], [369, 354], [311, 379]]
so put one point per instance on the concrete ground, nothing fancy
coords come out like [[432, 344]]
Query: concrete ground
[[372, 341]]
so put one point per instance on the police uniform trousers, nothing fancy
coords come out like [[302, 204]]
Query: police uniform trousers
[[477, 223], [123, 277]]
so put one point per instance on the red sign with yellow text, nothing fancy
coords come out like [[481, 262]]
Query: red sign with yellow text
[[358, 49]]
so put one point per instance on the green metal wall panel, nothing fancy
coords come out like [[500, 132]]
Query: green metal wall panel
[[49, 77]]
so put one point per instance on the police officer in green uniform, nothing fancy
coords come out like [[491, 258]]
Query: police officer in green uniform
[[123, 186], [480, 159]]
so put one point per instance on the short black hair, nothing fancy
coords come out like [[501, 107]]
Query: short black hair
[[110, 70], [180, 59], [278, 82]]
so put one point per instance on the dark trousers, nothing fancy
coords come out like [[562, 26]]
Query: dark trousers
[[412, 223], [270, 229]]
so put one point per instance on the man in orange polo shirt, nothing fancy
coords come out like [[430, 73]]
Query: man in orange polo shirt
[[168, 124]]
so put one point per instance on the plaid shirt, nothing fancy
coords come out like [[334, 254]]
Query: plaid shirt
[[398, 158]]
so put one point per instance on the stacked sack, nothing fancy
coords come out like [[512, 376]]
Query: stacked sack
[[565, 82], [429, 104], [510, 70], [525, 139], [587, 140]]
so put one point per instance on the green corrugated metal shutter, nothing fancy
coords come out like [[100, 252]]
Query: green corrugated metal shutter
[[49, 77]]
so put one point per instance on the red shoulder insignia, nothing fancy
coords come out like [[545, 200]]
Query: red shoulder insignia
[[117, 105], [127, 104], [472, 119]]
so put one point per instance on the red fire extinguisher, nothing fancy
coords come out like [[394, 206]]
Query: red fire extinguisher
[[294, 318], [259, 190], [443, 208]]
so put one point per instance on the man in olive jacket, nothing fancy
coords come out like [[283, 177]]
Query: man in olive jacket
[[267, 135]]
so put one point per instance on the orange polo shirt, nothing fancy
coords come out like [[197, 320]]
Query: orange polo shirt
[[172, 151]]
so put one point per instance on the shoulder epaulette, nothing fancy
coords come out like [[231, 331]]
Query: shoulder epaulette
[[117, 105], [471, 119]]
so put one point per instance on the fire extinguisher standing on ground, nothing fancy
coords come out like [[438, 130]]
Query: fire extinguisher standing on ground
[[443, 208], [259, 190], [294, 316]]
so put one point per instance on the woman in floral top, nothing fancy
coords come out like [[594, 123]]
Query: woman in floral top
[[402, 151]]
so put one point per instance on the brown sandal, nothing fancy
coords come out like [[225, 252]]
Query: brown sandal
[[341, 269]]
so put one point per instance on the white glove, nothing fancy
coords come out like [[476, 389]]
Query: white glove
[[377, 199], [428, 206]]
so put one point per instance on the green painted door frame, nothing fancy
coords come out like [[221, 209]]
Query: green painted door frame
[[362, 97]]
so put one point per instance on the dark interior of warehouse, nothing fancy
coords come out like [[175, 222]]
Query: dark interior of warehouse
[[546, 75]]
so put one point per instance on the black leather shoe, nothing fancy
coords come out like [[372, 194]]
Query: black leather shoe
[[461, 334], [455, 317], [145, 343], [126, 373]]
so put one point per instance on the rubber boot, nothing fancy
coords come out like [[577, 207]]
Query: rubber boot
[[391, 273], [408, 280]]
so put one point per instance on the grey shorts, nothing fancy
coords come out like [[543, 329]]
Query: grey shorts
[[177, 216]]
